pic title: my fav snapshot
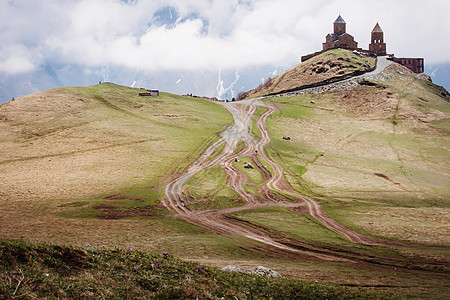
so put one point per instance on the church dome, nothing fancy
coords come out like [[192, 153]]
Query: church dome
[[339, 20]]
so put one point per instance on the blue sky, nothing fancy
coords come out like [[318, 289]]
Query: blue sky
[[206, 35]]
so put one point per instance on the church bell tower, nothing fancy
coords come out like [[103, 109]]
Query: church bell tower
[[339, 26], [377, 45]]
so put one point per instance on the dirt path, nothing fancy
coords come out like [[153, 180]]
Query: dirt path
[[217, 220]]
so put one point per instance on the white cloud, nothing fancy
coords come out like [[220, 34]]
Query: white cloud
[[16, 64], [17, 58], [210, 34]]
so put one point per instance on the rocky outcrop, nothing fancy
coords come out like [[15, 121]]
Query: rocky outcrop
[[261, 271], [424, 76]]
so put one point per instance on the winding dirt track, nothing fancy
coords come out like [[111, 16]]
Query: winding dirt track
[[218, 220]]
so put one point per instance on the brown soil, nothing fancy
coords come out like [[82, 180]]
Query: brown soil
[[113, 212], [381, 102], [391, 180], [122, 197]]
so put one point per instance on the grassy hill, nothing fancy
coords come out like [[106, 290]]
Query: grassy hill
[[72, 157], [75, 143], [333, 63], [376, 156], [87, 165]]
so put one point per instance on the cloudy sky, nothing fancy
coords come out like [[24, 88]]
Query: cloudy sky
[[180, 35]]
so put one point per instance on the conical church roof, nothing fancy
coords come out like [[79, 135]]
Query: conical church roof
[[377, 28], [339, 20]]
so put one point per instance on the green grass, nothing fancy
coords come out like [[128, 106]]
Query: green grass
[[251, 189], [411, 154], [293, 111], [266, 165], [239, 147], [128, 142], [290, 152], [254, 129], [208, 189], [119, 108], [83, 211], [253, 175], [306, 232], [355, 145], [293, 168], [347, 56], [420, 224], [58, 272], [144, 139], [443, 126], [292, 224], [218, 151]]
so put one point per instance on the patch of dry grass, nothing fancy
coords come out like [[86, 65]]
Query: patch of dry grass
[[113, 141], [429, 225], [333, 63], [75, 144]]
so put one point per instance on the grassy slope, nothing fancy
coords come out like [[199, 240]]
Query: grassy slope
[[326, 127], [30, 271], [398, 130], [68, 151], [106, 137], [336, 62]]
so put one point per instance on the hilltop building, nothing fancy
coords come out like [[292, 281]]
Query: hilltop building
[[341, 39], [377, 45], [414, 64]]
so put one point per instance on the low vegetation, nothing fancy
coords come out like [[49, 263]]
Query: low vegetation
[[207, 189], [58, 272], [333, 63], [368, 171]]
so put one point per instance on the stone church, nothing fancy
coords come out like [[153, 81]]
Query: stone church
[[339, 38]]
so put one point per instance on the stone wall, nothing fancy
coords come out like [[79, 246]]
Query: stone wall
[[414, 64]]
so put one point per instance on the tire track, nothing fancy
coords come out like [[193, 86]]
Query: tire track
[[278, 183], [217, 221]]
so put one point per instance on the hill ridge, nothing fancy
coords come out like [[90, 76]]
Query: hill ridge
[[328, 67]]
